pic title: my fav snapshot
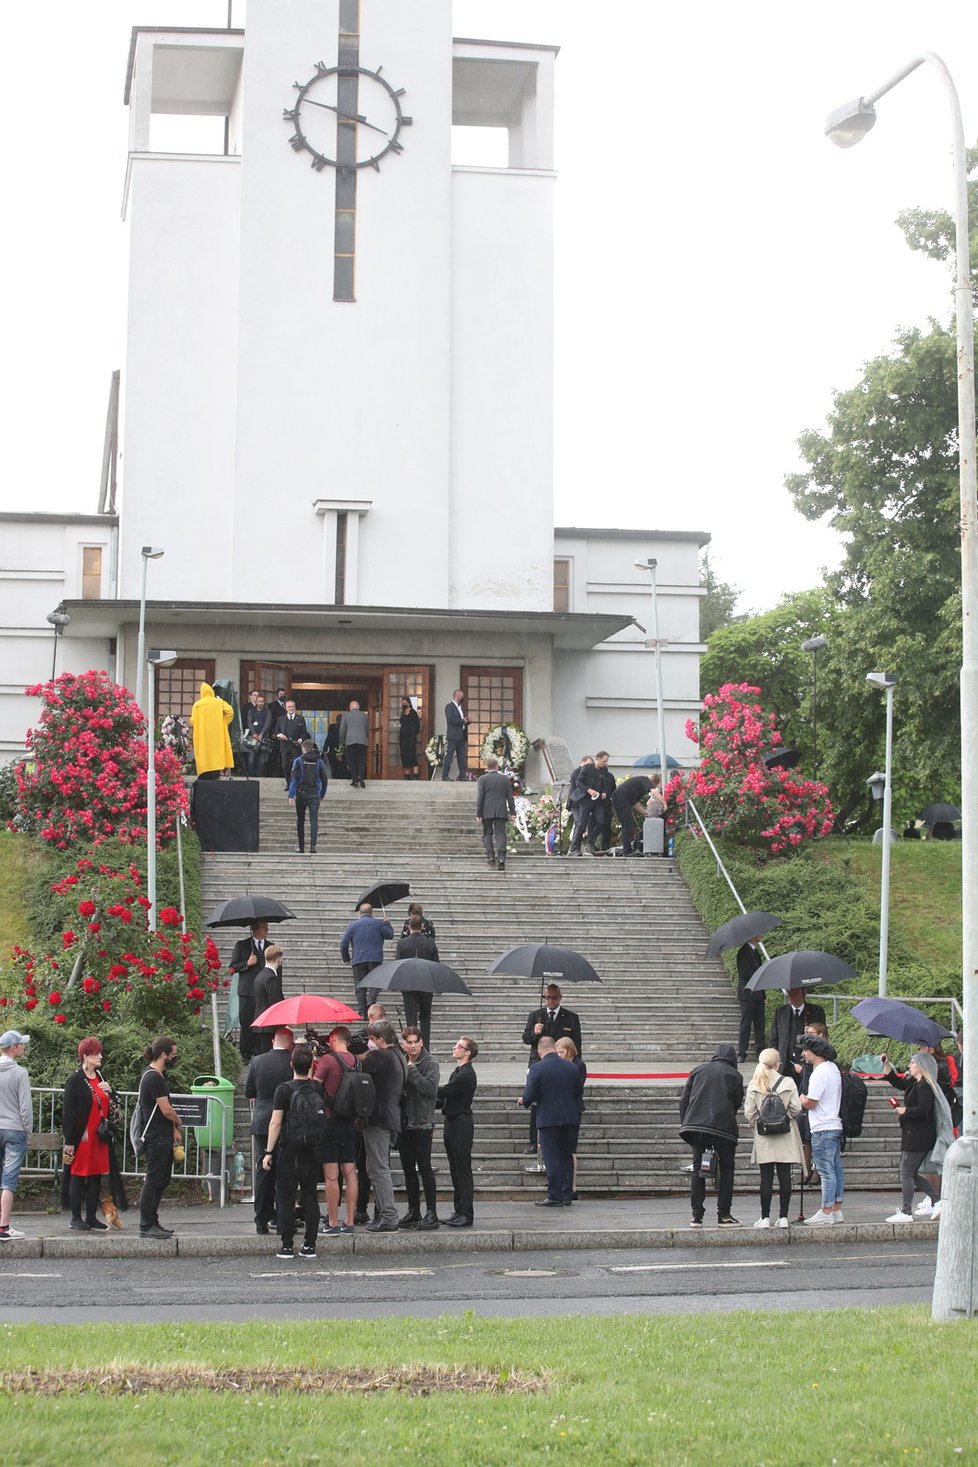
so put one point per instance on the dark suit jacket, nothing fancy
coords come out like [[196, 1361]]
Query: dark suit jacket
[[416, 945], [748, 962], [268, 990], [455, 722], [564, 1025], [556, 1089], [601, 780], [242, 951], [265, 1074], [494, 797], [577, 789], [784, 1027], [295, 729]]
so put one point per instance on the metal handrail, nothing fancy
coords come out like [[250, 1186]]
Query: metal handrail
[[721, 868]]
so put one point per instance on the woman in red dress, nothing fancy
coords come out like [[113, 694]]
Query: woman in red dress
[[87, 1158]]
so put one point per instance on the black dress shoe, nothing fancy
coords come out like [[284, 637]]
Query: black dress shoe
[[409, 1220], [78, 1226], [97, 1227], [359, 1218], [459, 1222], [428, 1223], [548, 1202], [160, 1233], [381, 1227], [261, 1229]]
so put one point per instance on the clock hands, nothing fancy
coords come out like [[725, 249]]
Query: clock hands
[[346, 116]]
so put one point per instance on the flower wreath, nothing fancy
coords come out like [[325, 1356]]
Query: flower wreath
[[434, 749], [507, 743]]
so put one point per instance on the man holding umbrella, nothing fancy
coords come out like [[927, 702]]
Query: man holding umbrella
[[363, 944], [247, 961], [790, 1020]]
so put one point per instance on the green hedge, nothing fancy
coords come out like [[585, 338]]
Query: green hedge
[[823, 905]]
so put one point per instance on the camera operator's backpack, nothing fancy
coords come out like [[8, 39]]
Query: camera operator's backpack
[[305, 1121], [355, 1095], [772, 1115], [852, 1106]]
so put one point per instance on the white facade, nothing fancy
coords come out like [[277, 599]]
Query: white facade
[[607, 698], [337, 398]]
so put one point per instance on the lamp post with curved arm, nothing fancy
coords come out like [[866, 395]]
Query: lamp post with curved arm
[[956, 1282]]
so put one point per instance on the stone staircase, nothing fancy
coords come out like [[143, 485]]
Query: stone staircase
[[661, 1007]]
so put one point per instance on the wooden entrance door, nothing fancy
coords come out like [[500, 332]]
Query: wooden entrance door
[[404, 682], [493, 695]]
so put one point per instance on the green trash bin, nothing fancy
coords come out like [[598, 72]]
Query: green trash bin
[[220, 1118]]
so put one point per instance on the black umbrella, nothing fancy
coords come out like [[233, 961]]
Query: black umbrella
[[782, 759], [549, 964], [803, 969], [242, 911], [932, 814], [381, 894], [739, 929], [415, 975], [895, 1020]]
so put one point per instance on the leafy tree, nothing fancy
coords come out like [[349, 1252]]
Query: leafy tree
[[766, 650], [717, 606]]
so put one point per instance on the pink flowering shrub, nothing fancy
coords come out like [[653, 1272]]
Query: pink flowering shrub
[[84, 779], [736, 794]]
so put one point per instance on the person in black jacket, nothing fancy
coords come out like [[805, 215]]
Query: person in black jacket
[[247, 961], [708, 1108], [290, 731], [790, 1020], [600, 788], [417, 1005], [408, 733], [579, 802], [388, 1069], [87, 1158], [265, 1075], [556, 1088], [556, 1022], [918, 1132], [628, 797], [417, 1129], [455, 1102], [268, 990], [751, 1004]]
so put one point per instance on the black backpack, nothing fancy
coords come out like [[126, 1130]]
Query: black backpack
[[772, 1115], [310, 775], [306, 1120], [356, 1094], [852, 1106]]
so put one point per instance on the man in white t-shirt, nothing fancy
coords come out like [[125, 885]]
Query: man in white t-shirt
[[823, 1103]]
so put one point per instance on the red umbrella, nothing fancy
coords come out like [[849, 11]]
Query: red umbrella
[[307, 1008]]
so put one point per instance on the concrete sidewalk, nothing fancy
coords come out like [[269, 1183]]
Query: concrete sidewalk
[[611, 1223]]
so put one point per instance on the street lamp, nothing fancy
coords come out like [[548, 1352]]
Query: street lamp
[[956, 1282], [148, 552], [650, 566], [59, 620], [153, 661], [885, 681], [814, 645]]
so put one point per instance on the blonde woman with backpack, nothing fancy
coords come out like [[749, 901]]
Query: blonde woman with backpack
[[772, 1107]]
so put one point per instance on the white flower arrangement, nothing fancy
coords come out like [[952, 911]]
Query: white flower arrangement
[[507, 743], [434, 749]]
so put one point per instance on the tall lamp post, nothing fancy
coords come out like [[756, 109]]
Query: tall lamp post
[[885, 681], [59, 620], [153, 661], [814, 645], [956, 1283], [650, 566], [148, 552]]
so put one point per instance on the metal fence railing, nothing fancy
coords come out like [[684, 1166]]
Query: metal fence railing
[[202, 1163]]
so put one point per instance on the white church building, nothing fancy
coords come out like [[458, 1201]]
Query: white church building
[[334, 412]]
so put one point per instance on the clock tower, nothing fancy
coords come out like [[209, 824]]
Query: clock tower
[[339, 368]]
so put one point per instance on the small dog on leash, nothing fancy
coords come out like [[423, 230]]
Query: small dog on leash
[[111, 1213]]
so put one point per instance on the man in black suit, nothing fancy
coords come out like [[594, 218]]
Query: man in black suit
[[247, 961], [269, 1071], [274, 711], [626, 797], [555, 1088], [579, 802], [268, 990], [290, 730], [494, 804], [600, 788], [417, 1006], [789, 1021], [457, 732], [751, 1004], [552, 1021]]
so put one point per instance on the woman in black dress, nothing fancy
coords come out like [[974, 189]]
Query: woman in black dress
[[408, 737]]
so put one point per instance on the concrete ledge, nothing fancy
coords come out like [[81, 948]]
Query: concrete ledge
[[202, 1245], [446, 1240], [106, 1245], [19, 1248]]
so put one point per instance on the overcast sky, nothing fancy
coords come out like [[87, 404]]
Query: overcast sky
[[720, 266]]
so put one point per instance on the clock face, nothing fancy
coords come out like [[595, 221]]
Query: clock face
[[346, 117]]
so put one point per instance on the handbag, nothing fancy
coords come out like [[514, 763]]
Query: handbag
[[104, 1132]]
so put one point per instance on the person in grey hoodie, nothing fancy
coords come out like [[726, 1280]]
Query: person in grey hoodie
[[16, 1123], [708, 1108]]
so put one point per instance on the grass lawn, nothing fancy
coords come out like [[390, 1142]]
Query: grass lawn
[[925, 893], [861, 1387], [15, 853]]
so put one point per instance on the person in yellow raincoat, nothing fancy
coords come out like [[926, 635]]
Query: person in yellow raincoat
[[209, 719]]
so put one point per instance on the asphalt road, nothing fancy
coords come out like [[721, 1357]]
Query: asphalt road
[[654, 1281]]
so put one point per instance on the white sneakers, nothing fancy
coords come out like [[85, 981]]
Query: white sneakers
[[821, 1219], [782, 1222], [899, 1217], [936, 1209], [925, 1208], [763, 1222]]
